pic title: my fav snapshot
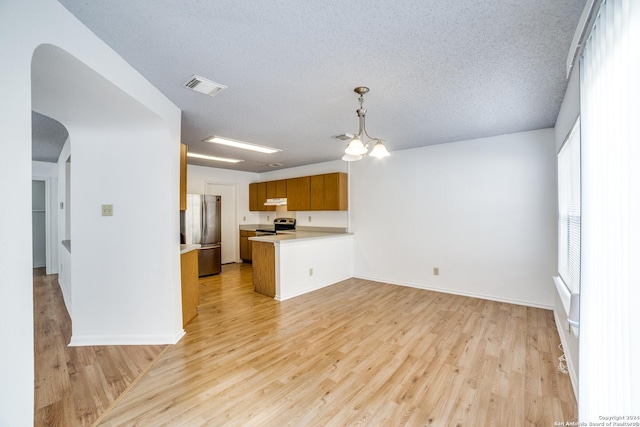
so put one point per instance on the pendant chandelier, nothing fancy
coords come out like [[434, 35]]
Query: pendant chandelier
[[359, 146]]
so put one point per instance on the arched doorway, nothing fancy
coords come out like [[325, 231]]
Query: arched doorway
[[121, 158]]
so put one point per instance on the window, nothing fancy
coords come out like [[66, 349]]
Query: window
[[569, 211]]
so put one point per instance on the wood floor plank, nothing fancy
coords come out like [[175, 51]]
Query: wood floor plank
[[355, 353], [73, 386]]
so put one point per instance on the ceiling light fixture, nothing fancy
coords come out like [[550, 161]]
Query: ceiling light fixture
[[241, 144], [214, 158], [357, 147]]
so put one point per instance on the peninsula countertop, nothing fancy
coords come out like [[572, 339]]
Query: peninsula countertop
[[297, 236]]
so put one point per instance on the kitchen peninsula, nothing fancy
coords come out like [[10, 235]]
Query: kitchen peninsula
[[291, 264]]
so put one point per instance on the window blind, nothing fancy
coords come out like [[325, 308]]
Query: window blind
[[609, 377], [569, 211]]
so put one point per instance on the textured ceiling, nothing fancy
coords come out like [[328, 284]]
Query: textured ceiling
[[47, 138], [439, 71]]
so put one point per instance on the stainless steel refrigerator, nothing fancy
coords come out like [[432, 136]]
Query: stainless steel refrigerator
[[201, 225]]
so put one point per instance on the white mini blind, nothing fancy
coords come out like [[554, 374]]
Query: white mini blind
[[609, 374], [569, 211]]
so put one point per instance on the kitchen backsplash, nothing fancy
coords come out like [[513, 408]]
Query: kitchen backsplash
[[308, 218]]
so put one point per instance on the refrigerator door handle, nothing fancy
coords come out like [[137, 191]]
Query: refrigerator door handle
[[203, 217]]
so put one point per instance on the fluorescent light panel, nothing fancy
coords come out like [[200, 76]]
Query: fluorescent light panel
[[241, 144], [217, 159]]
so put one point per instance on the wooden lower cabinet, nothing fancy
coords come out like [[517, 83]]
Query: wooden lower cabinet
[[190, 286], [264, 268], [246, 250]]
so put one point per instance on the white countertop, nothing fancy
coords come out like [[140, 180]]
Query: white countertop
[[188, 248], [296, 236]]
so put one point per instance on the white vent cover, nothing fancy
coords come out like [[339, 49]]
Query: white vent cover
[[202, 85]]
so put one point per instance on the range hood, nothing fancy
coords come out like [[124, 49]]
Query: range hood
[[276, 202]]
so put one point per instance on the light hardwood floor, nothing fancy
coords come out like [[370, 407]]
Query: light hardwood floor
[[74, 385], [355, 353]]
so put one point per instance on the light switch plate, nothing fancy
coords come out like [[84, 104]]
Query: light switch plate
[[107, 210]]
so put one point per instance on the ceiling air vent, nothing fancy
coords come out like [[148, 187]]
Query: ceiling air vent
[[344, 137], [202, 85]]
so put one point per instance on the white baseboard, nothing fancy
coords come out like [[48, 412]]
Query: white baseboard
[[65, 297], [572, 369], [86, 340], [465, 294]]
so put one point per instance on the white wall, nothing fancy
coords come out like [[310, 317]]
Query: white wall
[[482, 211], [567, 116], [64, 272], [23, 27], [199, 176], [331, 260]]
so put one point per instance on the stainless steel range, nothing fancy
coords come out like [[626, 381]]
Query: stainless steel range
[[279, 224]]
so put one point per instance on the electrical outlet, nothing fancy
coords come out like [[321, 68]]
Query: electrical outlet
[[436, 271], [267, 218], [311, 272], [309, 218], [244, 218], [107, 210]]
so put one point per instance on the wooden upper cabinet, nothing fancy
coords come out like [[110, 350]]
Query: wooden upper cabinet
[[262, 196], [329, 192], [281, 188], [183, 177], [335, 192], [292, 194], [277, 189], [306, 193], [257, 197], [317, 192], [271, 190], [253, 196]]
